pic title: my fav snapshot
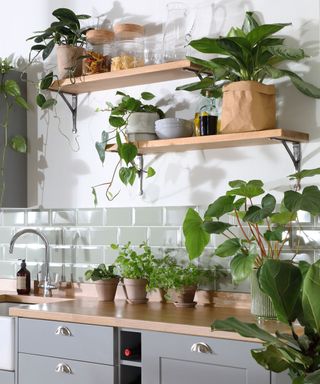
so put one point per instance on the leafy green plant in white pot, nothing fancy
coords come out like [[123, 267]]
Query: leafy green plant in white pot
[[105, 279], [135, 269]]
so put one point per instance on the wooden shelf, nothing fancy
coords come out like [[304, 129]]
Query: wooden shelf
[[271, 136], [119, 79]]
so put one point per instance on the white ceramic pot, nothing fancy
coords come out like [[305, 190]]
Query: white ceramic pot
[[142, 122]]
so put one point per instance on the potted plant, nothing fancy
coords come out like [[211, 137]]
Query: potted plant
[[294, 291], [129, 114], [105, 279], [69, 39], [263, 228], [245, 58], [135, 269], [10, 98]]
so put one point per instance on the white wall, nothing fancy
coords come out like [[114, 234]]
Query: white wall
[[60, 174]]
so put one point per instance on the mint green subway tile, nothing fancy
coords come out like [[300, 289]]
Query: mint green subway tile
[[6, 235], [62, 254], [53, 234], [148, 216], [35, 253], [103, 236], [174, 216], [136, 235], [76, 236], [111, 255], [63, 217], [163, 236], [118, 216], [13, 218], [38, 218], [7, 270], [19, 252], [78, 273], [90, 217], [90, 255]]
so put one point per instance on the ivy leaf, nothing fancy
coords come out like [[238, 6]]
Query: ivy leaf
[[147, 95], [12, 88], [127, 175], [19, 144], [46, 81], [40, 100], [22, 102], [219, 207], [47, 51], [117, 121], [49, 103], [128, 152], [101, 146], [150, 172]]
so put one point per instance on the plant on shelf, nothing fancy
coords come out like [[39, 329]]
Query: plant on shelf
[[10, 97], [106, 281], [135, 269], [245, 58], [262, 229], [121, 123], [294, 291], [69, 38]]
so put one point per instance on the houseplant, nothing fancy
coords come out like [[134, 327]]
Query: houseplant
[[246, 57], [294, 291], [135, 268], [69, 38], [264, 228], [119, 121], [105, 279], [10, 98]]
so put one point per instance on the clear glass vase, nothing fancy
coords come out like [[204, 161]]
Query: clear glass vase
[[261, 304], [174, 34]]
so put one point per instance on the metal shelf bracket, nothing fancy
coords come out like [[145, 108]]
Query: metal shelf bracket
[[73, 106], [295, 153], [141, 172]]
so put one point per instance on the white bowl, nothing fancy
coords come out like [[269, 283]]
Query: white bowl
[[172, 121], [173, 131]]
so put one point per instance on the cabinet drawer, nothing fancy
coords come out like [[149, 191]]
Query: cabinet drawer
[[6, 377], [41, 369], [68, 340]]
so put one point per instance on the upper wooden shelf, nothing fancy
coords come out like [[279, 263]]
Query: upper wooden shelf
[[270, 136], [125, 78]]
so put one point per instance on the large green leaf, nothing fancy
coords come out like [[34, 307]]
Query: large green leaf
[[228, 248], [231, 324], [262, 31], [283, 218], [274, 234], [196, 237], [128, 152], [127, 175], [308, 200], [304, 173], [12, 88], [48, 49], [216, 227], [281, 280], [46, 81], [250, 189], [268, 203], [310, 297], [255, 214], [117, 121], [205, 83], [271, 358], [287, 53], [207, 45], [249, 22], [241, 266], [221, 206], [21, 102], [66, 14], [19, 144], [147, 96]]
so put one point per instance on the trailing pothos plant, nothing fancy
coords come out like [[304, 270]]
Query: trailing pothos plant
[[10, 97], [262, 228], [252, 52], [294, 291], [127, 151]]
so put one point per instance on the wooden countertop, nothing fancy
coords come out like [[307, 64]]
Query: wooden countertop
[[152, 316]]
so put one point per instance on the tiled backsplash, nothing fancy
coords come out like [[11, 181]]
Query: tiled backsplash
[[81, 238]]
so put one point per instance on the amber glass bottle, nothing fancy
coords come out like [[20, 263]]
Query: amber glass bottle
[[23, 280]]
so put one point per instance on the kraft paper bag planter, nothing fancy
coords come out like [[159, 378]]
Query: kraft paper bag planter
[[248, 106]]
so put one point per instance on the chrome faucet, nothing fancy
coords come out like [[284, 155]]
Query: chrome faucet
[[46, 282]]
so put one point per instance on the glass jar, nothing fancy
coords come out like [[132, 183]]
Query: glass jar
[[129, 47], [98, 51]]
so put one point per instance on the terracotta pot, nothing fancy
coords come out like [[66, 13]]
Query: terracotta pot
[[68, 57], [248, 106], [184, 297], [135, 290], [106, 289]]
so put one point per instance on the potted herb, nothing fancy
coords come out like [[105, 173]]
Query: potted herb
[[245, 58], [66, 34], [262, 228], [129, 117], [105, 279], [294, 291], [135, 268], [10, 98]]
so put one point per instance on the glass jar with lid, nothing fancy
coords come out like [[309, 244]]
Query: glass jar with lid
[[129, 47], [98, 51]]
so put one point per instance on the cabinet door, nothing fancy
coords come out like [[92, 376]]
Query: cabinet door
[[39, 369], [6, 377], [169, 359], [281, 378]]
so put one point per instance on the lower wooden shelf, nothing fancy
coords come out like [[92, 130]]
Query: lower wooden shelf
[[271, 136]]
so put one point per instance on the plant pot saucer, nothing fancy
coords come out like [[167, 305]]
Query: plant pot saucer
[[185, 305], [137, 301]]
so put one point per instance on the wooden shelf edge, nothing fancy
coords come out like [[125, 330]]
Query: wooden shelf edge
[[117, 79], [271, 136]]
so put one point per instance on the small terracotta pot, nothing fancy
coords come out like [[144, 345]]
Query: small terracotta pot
[[184, 297], [135, 290], [106, 289], [68, 57]]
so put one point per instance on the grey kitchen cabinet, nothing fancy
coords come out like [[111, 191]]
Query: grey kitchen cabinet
[[57, 352], [181, 359], [6, 377], [281, 378]]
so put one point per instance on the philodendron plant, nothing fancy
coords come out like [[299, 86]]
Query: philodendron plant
[[295, 293], [262, 229], [251, 52]]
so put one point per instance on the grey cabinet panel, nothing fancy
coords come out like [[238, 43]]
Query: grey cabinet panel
[[281, 378], [41, 369], [168, 359], [86, 342], [6, 377]]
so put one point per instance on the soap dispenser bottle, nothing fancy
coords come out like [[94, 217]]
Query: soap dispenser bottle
[[23, 280]]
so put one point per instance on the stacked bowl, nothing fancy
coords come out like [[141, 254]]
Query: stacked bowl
[[170, 128]]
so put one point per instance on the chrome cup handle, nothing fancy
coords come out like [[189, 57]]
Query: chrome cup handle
[[63, 368], [63, 331], [201, 348]]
